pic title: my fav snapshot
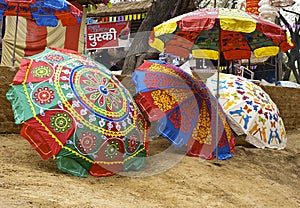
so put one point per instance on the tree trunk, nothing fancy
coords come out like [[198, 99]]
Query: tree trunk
[[293, 54], [159, 12]]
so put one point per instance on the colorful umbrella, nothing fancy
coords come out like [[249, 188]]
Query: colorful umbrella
[[251, 109], [44, 12], [208, 32], [184, 108], [75, 110]]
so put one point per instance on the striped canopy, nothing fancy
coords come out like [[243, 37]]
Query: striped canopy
[[32, 39], [44, 12], [205, 33]]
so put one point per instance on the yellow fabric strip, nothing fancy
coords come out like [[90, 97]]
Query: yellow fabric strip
[[165, 28], [157, 44], [56, 36], [203, 53], [266, 51], [289, 40], [8, 41], [236, 20], [81, 45]]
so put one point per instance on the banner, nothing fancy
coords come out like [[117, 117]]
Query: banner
[[107, 35]]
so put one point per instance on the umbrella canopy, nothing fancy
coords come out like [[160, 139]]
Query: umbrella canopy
[[44, 12], [184, 108], [208, 32], [75, 110], [251, 109]]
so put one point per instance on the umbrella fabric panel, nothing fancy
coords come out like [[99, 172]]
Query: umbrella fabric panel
[[19, 102], [30, 101], [47, 134], [68, 162], [158, 92], [203, 141], [178, 124], [162, 81], [38, 71]]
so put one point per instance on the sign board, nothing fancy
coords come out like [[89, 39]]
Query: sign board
[[107, 35]]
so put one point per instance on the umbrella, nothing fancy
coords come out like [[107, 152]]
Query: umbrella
[[75, 110], [43, 12], [184, 109], [251, 109], [208, 33]]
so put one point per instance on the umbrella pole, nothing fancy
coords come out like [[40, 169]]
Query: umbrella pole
[[217, 110], [13, 59]]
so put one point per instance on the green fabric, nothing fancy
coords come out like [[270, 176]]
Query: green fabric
[[15, 96], [20, 104], [68, 165], [136, 163], [68, 162]]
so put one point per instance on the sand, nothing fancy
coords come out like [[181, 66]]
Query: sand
[[252, 178]]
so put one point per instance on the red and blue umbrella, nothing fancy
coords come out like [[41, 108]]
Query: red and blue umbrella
[[184, 108]]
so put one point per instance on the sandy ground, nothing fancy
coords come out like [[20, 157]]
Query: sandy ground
[[252, 178]]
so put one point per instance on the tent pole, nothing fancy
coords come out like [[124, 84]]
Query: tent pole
[[84, 38], [249, 64], [217, 99], [13, 59], [217, 111]]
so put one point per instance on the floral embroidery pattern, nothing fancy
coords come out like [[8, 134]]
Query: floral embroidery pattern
[[112, 149], [202, 132], [87, 142], [61, 122], [41, 71], [102, 91], [156, 80], [183, 117], [133, 143], [140, 123], [54, 57], [163, 100], [44, 95]]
